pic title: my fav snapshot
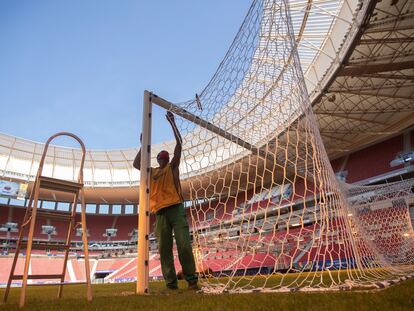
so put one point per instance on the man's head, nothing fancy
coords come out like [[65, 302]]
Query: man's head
[[163, 158]]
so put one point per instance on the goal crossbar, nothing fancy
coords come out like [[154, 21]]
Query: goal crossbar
[[155, 99], [203, 123]]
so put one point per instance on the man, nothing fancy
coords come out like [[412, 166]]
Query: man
[[166, 202]]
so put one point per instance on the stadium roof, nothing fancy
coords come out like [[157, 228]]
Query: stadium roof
[[369, 95], [357, 59]]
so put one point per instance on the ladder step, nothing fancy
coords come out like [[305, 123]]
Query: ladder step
[[57, 283], [45, 246], [53, 215], [38, 276], [59, 184]]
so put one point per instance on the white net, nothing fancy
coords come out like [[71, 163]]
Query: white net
[[268, 213], [381, 222]]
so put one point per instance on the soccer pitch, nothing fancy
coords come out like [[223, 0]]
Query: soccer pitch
[[121, 297]]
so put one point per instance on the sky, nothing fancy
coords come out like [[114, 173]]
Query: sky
[[82, 65]]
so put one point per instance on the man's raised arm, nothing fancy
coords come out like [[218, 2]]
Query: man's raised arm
[[175, 162]]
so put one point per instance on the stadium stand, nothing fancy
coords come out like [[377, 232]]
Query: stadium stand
[[121, 264]]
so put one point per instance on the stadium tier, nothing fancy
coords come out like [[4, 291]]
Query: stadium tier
[[361, 166], [372, 161], [298, 243]]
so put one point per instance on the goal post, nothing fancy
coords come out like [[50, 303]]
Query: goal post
[[260, 234], [144, 191], [144, 196]]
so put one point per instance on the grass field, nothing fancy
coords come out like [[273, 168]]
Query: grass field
[[120, 297]]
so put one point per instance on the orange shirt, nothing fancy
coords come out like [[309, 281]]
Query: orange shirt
[[163, 191]]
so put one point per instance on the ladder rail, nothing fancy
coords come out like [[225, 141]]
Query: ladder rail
[[85, 248], [68, 239], [29, 246], [18, 245]]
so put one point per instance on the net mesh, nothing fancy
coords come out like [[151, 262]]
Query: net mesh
[[267, 212]]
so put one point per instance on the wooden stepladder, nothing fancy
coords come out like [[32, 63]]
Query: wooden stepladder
[[25, 240]]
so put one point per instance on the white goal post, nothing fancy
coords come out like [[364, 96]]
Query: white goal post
[[144, 210]]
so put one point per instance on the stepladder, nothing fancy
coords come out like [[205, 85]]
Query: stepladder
[[45, 185]]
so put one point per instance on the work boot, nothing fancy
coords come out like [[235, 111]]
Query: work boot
[[193, 286]]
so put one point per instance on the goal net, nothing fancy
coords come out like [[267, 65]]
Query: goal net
[[267, 212]]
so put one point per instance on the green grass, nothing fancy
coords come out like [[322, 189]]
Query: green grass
[[120, 297]]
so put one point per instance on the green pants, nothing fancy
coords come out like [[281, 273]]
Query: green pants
[[169, 219]]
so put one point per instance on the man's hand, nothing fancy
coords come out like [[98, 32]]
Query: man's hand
[[170, 117]]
